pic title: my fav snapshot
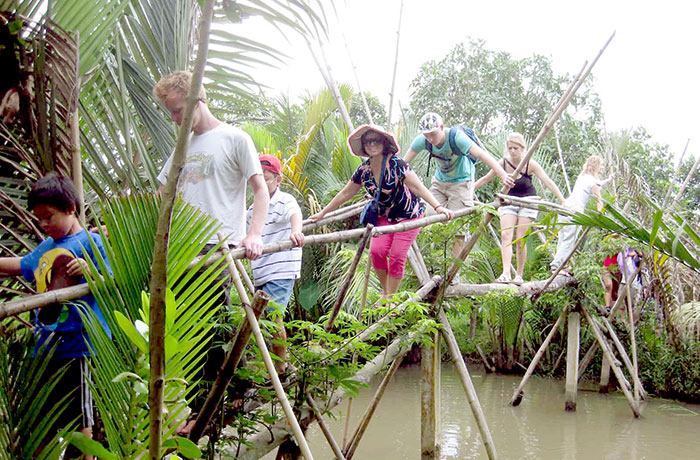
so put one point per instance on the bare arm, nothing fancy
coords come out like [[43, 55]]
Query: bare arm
[[344, 195], [542, 175], [491, 162], [297, 236], [261, 201], [410, 155], [595, 191], [485, 179], [10, 266], [416, 186]]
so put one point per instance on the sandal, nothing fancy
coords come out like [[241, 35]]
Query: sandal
[[518, 280], [503, 279]]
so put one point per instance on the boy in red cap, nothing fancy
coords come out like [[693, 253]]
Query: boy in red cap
[[276, 272]]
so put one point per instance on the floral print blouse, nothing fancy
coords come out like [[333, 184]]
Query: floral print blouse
[[396, 202]]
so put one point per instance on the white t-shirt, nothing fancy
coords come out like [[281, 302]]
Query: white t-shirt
[[282, 265], [217, 167], [581, 193]]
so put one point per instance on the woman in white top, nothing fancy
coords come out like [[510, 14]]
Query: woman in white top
[[588, 184]]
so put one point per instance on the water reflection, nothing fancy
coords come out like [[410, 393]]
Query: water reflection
[[539, 429]]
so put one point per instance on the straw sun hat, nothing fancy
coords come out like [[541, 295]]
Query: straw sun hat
[[355, 140]]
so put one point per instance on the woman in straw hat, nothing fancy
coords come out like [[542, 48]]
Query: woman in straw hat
[[398, 201]]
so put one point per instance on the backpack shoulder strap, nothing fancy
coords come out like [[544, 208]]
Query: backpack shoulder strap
[[429, 147], [453, 143]]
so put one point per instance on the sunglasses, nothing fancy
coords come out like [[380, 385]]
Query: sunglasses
[[374, 140]]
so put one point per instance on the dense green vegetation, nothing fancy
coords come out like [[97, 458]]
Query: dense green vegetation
[[125, 138]]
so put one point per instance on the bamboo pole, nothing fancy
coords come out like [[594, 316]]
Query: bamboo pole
[[604, 384], [274, 378], [15, 307], [630, 313], [685, 183], [396, 65], [518, 395], [332, 86], [372, 407], [586, 360], [244, 275], [225, 374], [349, 276], [324, 428], [156, 343], [368, 112], [572, 353], [607, 352], [430, 399], [675, 175], [561, 159], [523, 290], [623, 354], [467, 384]]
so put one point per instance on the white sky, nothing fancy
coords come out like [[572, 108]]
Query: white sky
[[647, 77]]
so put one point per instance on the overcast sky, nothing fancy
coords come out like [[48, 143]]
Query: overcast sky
[[648, 76]]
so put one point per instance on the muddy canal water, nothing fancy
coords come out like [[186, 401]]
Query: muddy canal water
[[602, 427]]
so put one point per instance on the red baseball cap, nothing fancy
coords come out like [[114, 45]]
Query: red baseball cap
[[271, 163]]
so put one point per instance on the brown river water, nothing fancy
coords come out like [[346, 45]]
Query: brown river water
[[602, 427]]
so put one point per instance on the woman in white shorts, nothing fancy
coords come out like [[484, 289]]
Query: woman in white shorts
[[517, 219]]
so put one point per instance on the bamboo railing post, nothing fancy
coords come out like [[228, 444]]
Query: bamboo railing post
[[430, 399], [572, 353], [158, 283], [467, 384], [349, 276], [324, 428], [225, 374], [244, 275], [518, 395], [276, 384], [369, 412], [607, 352]]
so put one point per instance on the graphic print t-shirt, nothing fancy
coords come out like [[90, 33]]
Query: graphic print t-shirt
[[46, 266], [217, 167]]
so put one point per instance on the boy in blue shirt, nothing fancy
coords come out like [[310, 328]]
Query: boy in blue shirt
[[58, 262]]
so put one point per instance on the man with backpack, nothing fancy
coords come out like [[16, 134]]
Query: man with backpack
[[456, 150]]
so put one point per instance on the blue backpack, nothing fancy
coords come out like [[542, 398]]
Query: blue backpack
[[452, 133]]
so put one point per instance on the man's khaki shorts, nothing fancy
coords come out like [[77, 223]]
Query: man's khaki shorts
[[452, 195]]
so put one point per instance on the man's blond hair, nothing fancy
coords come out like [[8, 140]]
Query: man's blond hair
[[180, 81]]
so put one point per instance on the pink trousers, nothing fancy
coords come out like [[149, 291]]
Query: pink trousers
[[388, 251]]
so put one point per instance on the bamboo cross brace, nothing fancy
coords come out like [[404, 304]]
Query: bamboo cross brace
[[467, 384], [371, 408], [225, 374], [276, 384], [607, 352], [349, 276], [244, 274], [324, 428], [518, 394]]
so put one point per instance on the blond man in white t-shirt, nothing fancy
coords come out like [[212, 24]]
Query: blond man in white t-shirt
[[220, 160]]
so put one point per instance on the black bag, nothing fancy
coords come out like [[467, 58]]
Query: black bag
[[370, 213]]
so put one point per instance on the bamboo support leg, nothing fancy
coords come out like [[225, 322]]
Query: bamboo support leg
[[276, 384], [467, 384], [623, 354], [225, 374], [604, 384], [635, 367], [430, 399], [616, 368], [348, 278], [572, 347], [369, 412], [326, 432], [518, 395]]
